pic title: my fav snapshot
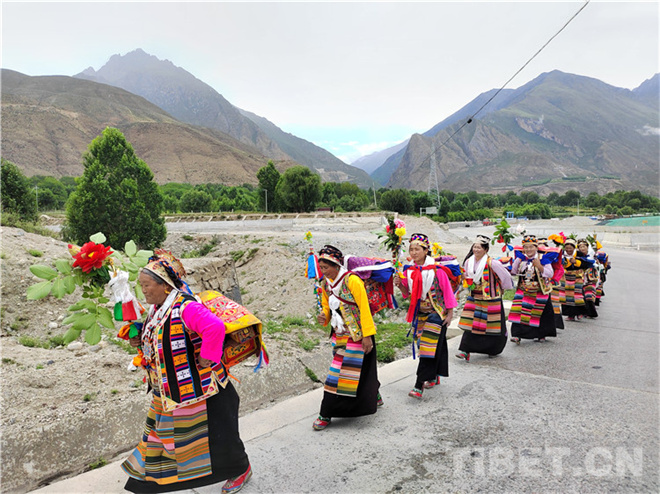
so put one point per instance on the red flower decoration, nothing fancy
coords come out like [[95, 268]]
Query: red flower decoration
[[91, 256]]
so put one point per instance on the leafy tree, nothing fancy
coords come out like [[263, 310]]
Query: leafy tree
[[51, 193], [299, 189], [422, 200], [116, 195], [17, 195], [170, 204], [196, 201], [268, 177], [444, 206], [570, 198], [398, 200]]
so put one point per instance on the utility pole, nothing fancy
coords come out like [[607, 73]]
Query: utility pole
[[36, 190], [266, 193], [578, 207], [374, 189]]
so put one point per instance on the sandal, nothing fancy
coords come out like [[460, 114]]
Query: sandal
[[236, 484], [540, 340], [321, 423], [516, 340], [379, 401], [464, 355], [416, 393]]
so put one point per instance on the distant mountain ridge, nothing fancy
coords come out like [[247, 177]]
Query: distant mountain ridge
[[49, 121], [554, 132], [190, 100]]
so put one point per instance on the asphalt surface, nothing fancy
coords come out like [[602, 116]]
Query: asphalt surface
[[576, 414]]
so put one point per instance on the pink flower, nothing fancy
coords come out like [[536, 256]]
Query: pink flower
[[399, 223]]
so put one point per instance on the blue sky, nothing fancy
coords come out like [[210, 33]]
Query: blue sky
[[351, 77]]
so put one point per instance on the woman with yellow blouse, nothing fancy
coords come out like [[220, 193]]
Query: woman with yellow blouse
[[351, 388]]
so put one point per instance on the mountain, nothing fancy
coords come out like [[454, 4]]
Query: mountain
[[557, 132], [373, 161], [649, 91], [330, 167], [49, 121], [192, 101]]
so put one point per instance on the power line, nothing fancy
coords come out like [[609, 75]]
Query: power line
[[469, 120]]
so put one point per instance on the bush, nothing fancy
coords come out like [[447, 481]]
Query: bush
[[116, 195], [17, 194], [398, 200]]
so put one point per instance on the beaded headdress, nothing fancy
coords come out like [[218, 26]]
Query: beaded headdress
[[167, 267], [530, 240], [332, 254], [420, 239]]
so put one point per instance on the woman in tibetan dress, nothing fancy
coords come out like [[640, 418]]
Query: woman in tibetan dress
[[483, 320], [432, 303], [591, 278], [531, 314], [191, 436], [572, 296], [604, 259], [557, 277], [351, 387]]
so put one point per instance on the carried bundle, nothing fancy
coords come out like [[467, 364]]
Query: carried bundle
[[548, 255], [243, 331], [378, 277], [452, 268]]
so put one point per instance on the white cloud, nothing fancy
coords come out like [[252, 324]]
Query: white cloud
[[650, 131]]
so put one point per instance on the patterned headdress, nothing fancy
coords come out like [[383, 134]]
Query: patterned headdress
[[542, 241], [582, 241], [529, 240], [481, 239], [420, 239], [570, 241], [332, 254], [167, 267]]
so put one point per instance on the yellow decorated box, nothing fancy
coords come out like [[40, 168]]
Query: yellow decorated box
[[243, 331]]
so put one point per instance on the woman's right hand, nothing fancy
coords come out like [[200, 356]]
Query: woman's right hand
[[397, 281], [321, 318], [135, 342]]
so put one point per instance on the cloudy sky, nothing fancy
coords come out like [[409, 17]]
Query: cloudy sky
[[351, 77]]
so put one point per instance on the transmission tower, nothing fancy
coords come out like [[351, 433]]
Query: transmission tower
[[434, 190]]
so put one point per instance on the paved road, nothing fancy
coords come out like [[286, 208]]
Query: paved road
[[576, 414]]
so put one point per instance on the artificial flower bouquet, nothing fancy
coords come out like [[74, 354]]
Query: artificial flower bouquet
[[392, 238], [93, 267]]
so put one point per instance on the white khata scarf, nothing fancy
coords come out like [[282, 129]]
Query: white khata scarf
[[337, 321], [475, 272]]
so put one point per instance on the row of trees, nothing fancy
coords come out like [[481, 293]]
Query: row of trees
[[117, 195]]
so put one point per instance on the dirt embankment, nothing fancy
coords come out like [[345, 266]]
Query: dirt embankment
[[64, 408]]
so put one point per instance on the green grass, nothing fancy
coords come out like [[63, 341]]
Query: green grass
[[98, 464], [508, 294], [294, 321], [310, 373], [307, 344], [204, 249], [124, 345], [236, 254], [114, 391], [30, 342], [40, 366], [390, 337], [35, 253], [6, 360], [187, 238], [89, 397]]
